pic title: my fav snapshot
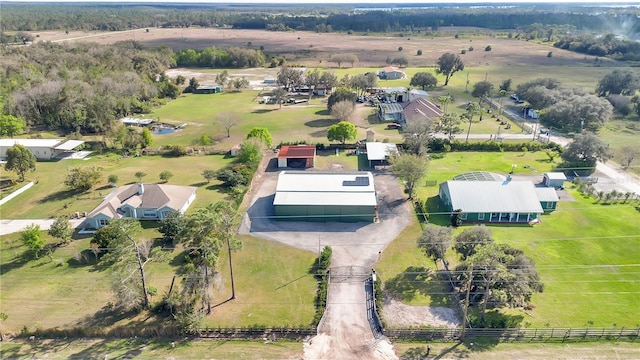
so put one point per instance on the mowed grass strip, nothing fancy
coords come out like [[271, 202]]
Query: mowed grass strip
[[151, 349]]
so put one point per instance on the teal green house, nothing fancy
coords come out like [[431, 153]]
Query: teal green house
[[490, 200], [325, 197]]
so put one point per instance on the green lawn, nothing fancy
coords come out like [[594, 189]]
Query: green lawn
[[151, 349], [50, 197], [273, 287], [586, 253]]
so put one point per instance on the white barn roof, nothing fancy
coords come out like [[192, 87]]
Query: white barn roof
[[48, 143], [493, 196], [555, 176], [69, 145], [318, 188], [380, 151]]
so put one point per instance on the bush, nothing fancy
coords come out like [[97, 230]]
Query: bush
[[463, 51], [419, 53], [178, 150], [470, 48], [488, 48], [319, 270]]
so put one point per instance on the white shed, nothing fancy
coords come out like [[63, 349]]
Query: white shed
[[554, 179]]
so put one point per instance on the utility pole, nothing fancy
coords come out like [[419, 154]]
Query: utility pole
[[466, 304], [233, 286]]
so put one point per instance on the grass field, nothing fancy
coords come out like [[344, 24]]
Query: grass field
[[237, 349], [586, 253], [273, 287]]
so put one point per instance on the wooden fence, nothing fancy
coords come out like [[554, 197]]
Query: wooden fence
[[508, 335], [272, 333]]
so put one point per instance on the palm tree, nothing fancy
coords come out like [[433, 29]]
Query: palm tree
[[472, 109], [444, 102]]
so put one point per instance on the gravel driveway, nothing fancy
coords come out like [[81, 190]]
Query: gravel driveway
[[345, 332]]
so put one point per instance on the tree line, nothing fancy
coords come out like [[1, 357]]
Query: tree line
[[83, 87], [39, 17]]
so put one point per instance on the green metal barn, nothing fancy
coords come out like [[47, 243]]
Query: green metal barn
[[324, 197]]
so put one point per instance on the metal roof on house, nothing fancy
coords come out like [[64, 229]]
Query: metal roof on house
[[69, 145], [391, 108], [319, 188], [48, 143], [555, 176], [479, 176], [493, 196], [547, 194], [380, 151], [297, 151]]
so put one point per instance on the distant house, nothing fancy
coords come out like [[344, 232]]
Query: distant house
[[420, 109], [322, 90], [133, 121], [378, 153], [533, 114], [208, 89], [391, 73], [142, 202], [297, 156], [42, 149], [270, 81], [553, 179]]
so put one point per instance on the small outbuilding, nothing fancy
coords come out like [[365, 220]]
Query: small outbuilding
[[325, 197], [379, 153], [208, 89], [297, 156], [554, 179]]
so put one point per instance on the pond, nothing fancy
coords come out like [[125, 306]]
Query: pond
[[163, 129]]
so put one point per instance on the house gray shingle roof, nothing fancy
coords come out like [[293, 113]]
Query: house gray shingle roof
[[154, 196]]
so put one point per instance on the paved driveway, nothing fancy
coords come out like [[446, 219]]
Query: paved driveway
[[12, 226], [345, 332]]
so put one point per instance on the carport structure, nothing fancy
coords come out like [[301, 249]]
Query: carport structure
[[297, 156]]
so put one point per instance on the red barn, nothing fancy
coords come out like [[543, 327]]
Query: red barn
[[297, 156]]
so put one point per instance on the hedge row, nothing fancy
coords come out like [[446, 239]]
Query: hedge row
[[445, 145], [321, 272]]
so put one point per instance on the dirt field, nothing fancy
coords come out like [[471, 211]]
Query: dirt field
[[315, 49]]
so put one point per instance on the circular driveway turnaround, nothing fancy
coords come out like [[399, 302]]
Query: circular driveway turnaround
[[345, 332]]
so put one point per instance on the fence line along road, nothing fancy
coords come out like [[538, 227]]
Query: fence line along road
[[507, 335]]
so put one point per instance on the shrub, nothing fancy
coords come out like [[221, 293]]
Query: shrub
[[470, 48], [550, 54], [419, 52], [488, 48], [178, 150], [463, 51]]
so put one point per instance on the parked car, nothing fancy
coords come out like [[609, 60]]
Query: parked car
[[394, 126]]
